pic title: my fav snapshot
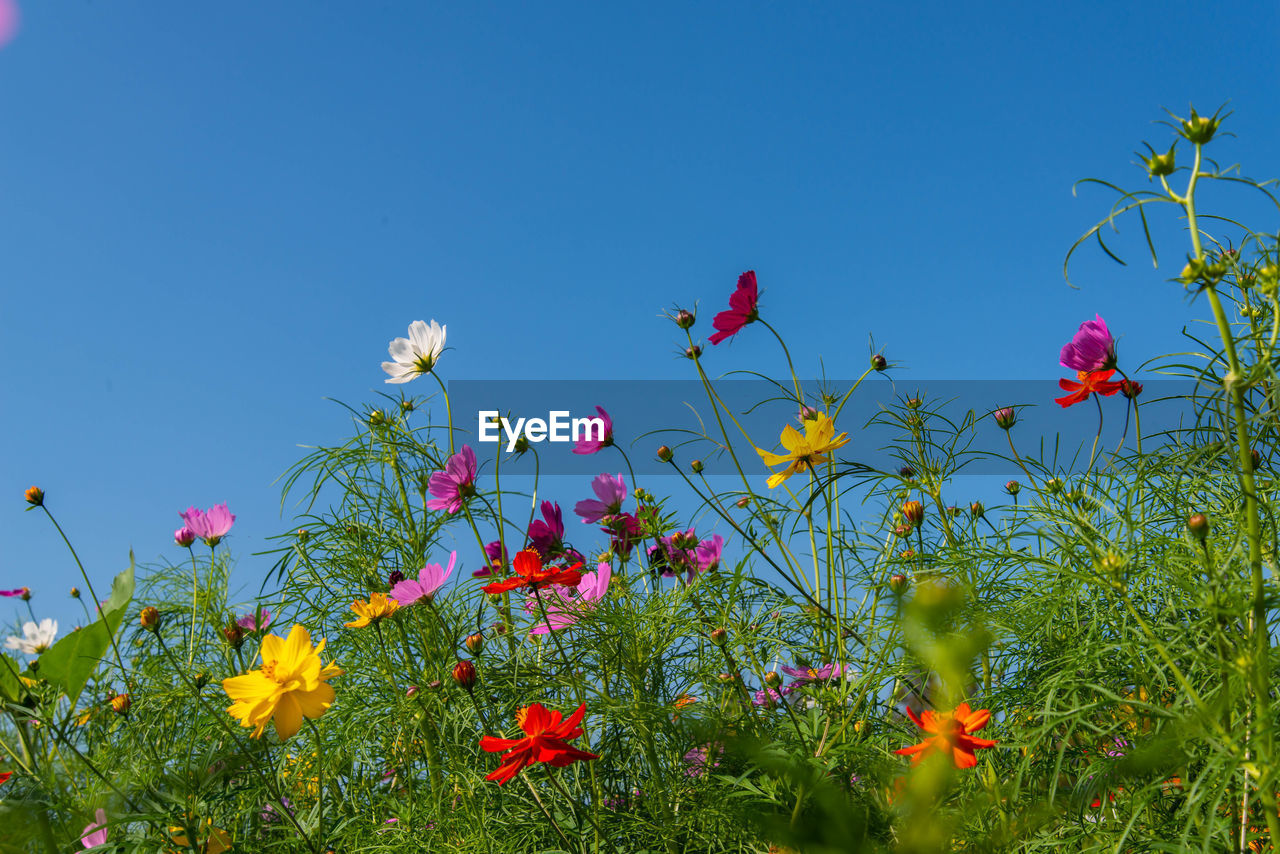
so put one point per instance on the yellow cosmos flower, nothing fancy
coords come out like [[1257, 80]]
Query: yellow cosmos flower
[[378, 606], [291, 683], [804, 451], [216, 839]]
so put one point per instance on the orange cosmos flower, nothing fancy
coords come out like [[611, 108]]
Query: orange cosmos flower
[[950, 732], [1091, 382], [378, 606], [530, 573], [544, 741]]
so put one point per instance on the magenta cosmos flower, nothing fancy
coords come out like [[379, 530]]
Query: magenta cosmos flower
[[430, 579], [623, 530], [17, 591], [610, 490], [211, 525], [546, 535], [255, 622], [1091, 349], [495, 560], [96, 833], [184, 537], [743, 309], [588, 445], [563, 610], [808, 675], [458, 480]]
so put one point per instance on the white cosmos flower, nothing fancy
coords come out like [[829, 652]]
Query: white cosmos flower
[[416, 354], [35, 638]]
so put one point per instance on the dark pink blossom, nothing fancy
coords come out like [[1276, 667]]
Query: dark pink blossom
[[453, 485], [255, 622], [610, 490], [17, 591], [546, 535], [742, 309], [497, 559], [589, 445], [1091, 349], [623, 530]]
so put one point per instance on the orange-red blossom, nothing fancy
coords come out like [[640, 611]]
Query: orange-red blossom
[[544, 741], [1091, 382], [531, 573], [950, 732]]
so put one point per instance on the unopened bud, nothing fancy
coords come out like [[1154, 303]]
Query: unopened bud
[[303, 535], [913, 403], [75, 592], [977, 510], [150, 618], [743, 502], [234, 633], [897, 582], [464, 673], [377, 418], [879, 362], [725, 677], [693, 351], [1198, 525], [772, 679], [907, 472], [685, 318], [696, 466], [1256, 456], [902, 531], [394, 578], [201, 680], [406, 406], [1006, 417], [913, 511], [411, 691], [719, 636], [184, 537], [34, 496], [1159, 165], [954, 511], [475, 643], [1053, 485], [435, 685], [1013, 487], [120, 704], [1199, 129], [664, 453]]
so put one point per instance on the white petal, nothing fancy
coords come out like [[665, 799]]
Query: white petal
[[13, 642], [439, 340], [420, 335], [401, 350]]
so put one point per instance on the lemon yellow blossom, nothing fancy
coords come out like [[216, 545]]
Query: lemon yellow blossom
[[291, 683], [378, 606], [804, 451]]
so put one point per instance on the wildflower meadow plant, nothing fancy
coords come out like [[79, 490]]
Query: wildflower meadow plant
[[1082, 659]]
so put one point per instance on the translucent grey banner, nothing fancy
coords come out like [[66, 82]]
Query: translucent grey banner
[[646, 414]]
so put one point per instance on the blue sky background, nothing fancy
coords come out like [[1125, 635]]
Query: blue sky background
[[214, 216]]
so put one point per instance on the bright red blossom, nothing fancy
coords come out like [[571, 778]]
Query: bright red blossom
[[544, 741], [742, 309], [4, 776], [1095, 382], [950, 732], [530, 573]]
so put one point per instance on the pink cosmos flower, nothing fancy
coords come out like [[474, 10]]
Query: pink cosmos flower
[[697, 760], [211, 525], [742, 309], [95, 834], [587, 445], [17, 591], [496, 557], [807, 675], [682, 552], [451, 486], [564, 610], [707, 554], [430, 579], [1091, 349], [184, 537], [610, 490], [770, 696], [255, 622]]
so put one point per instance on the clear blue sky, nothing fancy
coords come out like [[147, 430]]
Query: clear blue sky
[[216, 215]]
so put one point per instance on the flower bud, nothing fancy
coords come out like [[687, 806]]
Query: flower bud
[[1159, 165], [977, 510], [234, 633], [725, 677], [693, 351], [25, 595], [184, 537], [954, 511], [907, 472], [913, 403], [411, 691], [1130, 389], [1199, 129], [897, 582], [879, 362], [201, 680], [475, 643], [696, 466], [743, 502], [1013, 487], [1255, 456], [75, 592], [464, 673], [150, 618], [685, 318], [902, 531], [1192, 272], [907, 554], [499, 629], [808, 413], [120, 704], [394, 578], [303, 535], [913, 511], [522, 444], [435, 684], [719, 637], [1053, 485], [377, 418], [1198, 525], [772, 679], [34, 496], [406, 406], [1006, 417], [664, 453]]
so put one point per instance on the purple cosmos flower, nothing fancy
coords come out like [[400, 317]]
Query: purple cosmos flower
[[451, 486], [430, 579], [707, 554], [1091, 349], [564, 610], [808, 675], [184, 537], [610, 490], [496, 559], [697, 760], [17, 591], [95, 834], [211, 525], [255, 622], [770, 696], [588, 445]]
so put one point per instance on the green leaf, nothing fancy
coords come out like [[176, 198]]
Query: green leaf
[[10, 687], [71, 661]]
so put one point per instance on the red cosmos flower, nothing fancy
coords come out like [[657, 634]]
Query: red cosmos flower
[[742, 309], [4, 776], [1091, 382], [950, 733], [1130, 389], [530, 573], [544, 741]]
